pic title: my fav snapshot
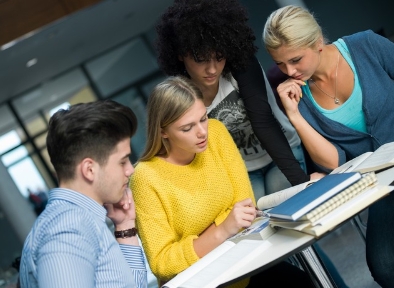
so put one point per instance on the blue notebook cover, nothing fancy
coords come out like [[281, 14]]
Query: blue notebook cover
[[314, 195]]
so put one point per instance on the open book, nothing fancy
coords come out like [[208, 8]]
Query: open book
[[370, 161], [382, 158], [259, 230], [219, 265], [276, 198]]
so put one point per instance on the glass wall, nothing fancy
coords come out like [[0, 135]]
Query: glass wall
[[17, 154], [122, 67], [125, 74]]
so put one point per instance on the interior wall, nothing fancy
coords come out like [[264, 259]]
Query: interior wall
[[341, 18], [337, 18], [19, 17]]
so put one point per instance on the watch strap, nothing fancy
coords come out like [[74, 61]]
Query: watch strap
[[126, 233]]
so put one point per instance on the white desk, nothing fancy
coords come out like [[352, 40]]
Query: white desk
[[290, 242], [286, 243], [266, 253]]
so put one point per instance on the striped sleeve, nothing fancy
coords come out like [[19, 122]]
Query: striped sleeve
[[135, 259]]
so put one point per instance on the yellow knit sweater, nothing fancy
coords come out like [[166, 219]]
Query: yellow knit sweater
[[177, 203]]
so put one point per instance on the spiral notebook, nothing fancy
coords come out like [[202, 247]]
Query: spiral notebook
[[312, 196], [339, 208], [367, 181]]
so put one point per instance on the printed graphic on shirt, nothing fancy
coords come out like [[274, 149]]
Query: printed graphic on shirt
[[231, 112]]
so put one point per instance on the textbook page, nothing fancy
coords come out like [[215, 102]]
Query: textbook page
[[199, 265], [259, 230], [351, 165], [382, 158], [221, 270], [276, 198], [386, 177]]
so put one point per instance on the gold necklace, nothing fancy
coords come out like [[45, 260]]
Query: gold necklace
[[336, 100]]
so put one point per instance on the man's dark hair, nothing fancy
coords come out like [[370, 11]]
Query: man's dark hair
[[87, 130], [201, 27]]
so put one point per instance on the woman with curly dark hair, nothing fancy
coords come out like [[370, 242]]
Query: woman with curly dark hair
[[210, 42]]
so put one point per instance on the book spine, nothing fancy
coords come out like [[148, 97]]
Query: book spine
[[341, 198]]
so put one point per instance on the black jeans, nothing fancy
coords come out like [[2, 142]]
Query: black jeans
[[380, 241], [283, 274]]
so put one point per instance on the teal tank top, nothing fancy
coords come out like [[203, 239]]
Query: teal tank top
[[349, 113]]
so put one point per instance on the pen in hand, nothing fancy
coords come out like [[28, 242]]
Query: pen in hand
[[260, 213]]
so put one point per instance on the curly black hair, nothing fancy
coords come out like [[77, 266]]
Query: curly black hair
[[200, 28]]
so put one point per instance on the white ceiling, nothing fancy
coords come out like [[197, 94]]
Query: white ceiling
[[72, 40]]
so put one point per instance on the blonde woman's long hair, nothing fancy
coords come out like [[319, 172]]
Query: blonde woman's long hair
[[291, 26], [168, 101]]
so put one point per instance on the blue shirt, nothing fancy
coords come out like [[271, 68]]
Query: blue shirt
[[70, 245]]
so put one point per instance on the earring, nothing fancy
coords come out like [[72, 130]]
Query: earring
[[321, 49]]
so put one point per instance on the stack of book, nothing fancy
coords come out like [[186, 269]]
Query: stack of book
[[381, 162], [328, 202]]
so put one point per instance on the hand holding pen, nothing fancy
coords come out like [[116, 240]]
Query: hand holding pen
[[261, 213]]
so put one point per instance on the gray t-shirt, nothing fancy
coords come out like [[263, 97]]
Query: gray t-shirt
[[229, 108]]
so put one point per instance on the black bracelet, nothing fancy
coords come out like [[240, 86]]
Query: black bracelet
[[126, 233]]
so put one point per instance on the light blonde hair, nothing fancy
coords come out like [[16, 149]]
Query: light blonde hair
[[292, 26], [168, 101]]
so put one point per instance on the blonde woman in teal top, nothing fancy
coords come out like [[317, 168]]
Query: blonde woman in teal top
[[353, 76], [325, 74]]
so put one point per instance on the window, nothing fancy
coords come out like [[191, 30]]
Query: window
[[122, 67], [133, 99], [19, 164]]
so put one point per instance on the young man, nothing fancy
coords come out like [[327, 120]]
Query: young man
[[70, 244]]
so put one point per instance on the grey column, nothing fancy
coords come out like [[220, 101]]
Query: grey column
[[15, 207]]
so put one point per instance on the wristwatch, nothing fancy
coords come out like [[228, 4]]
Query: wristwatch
[[126, 233]]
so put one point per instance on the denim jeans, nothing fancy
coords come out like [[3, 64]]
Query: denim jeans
[[270, 179]]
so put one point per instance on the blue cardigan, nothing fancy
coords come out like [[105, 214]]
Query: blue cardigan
[[373, 57]]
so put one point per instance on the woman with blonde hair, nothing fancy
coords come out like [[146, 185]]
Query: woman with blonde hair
[[211, 43], [191, 187], [339, 97]]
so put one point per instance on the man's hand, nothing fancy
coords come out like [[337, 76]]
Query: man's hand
[[122, 213]]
